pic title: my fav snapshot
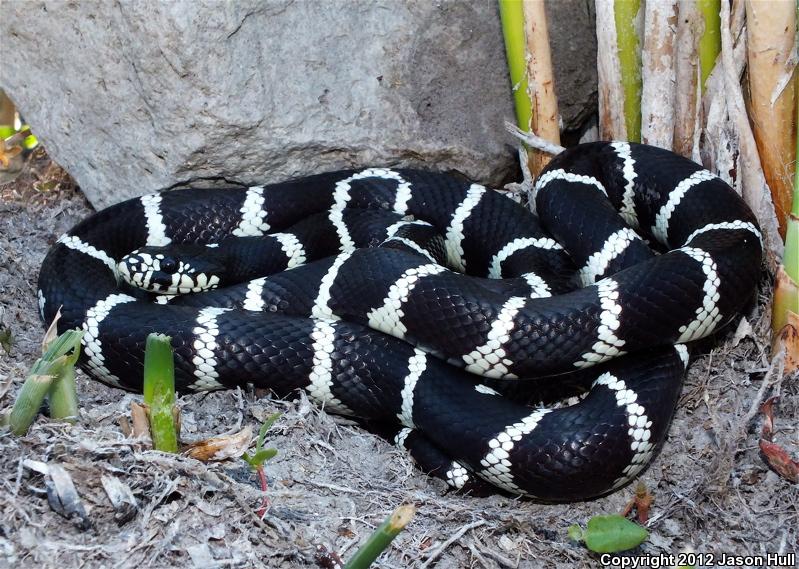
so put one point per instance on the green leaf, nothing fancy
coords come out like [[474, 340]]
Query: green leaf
[[576, 532], [263, 455], [609, 534], [258, 458], [270, 420]]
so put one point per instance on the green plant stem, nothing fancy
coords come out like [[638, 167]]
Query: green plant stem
[[710, 41], [381, 537], [159, 391], [29, 401], [40, 379], [63, 396], [625, 12], [512, 16]]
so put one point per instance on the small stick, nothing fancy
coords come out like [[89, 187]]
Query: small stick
[[455, 537], [534, 141], [541, 82]]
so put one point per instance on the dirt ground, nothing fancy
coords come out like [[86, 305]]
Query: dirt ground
[[332, 483]]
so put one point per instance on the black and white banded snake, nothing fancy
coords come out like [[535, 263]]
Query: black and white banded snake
[[416, 301]]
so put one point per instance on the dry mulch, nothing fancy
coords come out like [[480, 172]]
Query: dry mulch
[[332, 482]]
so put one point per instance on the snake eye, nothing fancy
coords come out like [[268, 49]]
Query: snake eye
[[168, 265]]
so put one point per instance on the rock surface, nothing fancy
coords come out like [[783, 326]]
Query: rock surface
[[131, 97]]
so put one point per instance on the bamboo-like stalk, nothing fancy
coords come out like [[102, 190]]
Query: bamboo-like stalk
[[381, 537], [785, 310], [657, 73], [719, 133], [159, 391], [751, 181], [611, 94], [52, 363], [541, 83], [710, 40], [686, 77], [511, 14], [771, 32], [626, 14]]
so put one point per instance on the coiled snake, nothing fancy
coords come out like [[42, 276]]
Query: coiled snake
[[418, 301]]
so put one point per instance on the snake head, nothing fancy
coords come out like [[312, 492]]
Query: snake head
[[177, 269]]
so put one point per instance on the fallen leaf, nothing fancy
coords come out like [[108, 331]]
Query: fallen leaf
[[221, 448], [743, 331], [775, 456], [141, 424], [609, 534], [52, 331], [780, 461]]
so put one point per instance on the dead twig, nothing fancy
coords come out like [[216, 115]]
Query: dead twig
[[455, 537]]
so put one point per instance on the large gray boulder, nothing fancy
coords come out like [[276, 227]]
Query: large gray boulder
[[131, 97]]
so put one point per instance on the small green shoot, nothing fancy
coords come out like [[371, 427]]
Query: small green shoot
[[381, 538], [261, 454], [159, 392], [257, 459], [59, 358], [63, 396], [609, 534]]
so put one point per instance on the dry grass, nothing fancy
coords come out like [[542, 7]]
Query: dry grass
[[332, 483]]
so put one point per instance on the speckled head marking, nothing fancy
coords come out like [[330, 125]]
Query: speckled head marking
[[177, 269]]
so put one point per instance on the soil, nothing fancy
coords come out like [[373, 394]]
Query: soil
[[332, 483]]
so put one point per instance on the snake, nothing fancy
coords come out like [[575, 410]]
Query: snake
[[536, 350]]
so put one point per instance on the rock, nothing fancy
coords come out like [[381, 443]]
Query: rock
[[572, 39], [136, 96]]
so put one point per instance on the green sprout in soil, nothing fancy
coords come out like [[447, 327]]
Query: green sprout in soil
[[53, 376], [159, 392], [382, 537], [259, 457]]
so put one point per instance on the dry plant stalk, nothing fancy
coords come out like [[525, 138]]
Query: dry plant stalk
[[611, 93], [752, 185], [657, 56], [687, 112], [785, 323], [540, 83], [771, 32], [720, 136]]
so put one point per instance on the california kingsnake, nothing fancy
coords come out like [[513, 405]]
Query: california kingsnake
[[386, 309]]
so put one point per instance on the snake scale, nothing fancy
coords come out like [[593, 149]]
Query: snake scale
[[538, 354]]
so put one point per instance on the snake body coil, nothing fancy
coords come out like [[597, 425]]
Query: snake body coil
[[415, 302]]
